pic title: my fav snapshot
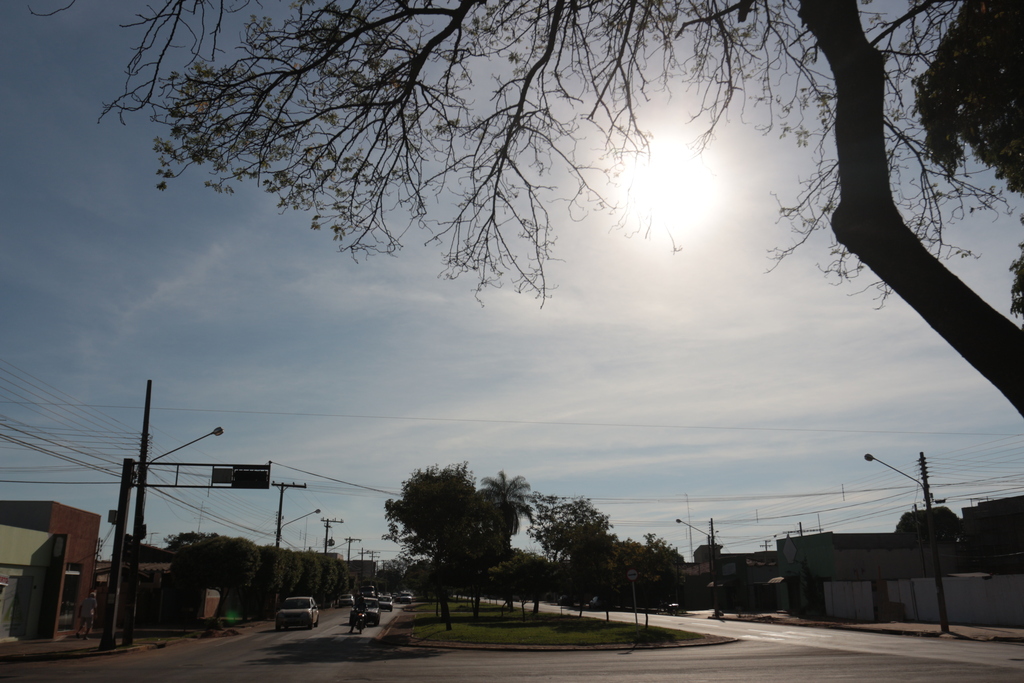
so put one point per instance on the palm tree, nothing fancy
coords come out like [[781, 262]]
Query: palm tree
[[512, 498]]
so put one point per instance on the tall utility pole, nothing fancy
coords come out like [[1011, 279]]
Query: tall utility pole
[[244, 480], [940, 593], [714, 577], [327, 530], [348, 555], [934, 542], [373, 562], [280, 507], [139, 530], [714, 574]]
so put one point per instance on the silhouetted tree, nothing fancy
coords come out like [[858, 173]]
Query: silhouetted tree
[[512, 498], [373, 115], [176, 542], [442, 517], [948, 527]]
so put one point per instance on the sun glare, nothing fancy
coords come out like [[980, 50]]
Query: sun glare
[[672, 188]]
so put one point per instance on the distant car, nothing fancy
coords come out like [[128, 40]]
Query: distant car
[[346, 600], [597, 603], [386, 603], [297, 611], [565, 601], [404, 599]]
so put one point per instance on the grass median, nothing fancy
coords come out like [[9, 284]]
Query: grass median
[[494, 627]]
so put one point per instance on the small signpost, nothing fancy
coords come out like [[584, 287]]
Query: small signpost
[[633, 575]]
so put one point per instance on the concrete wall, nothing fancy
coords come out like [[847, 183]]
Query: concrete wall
[[996, 601]]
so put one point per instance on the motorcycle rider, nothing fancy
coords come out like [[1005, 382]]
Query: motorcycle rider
[[358, 612]]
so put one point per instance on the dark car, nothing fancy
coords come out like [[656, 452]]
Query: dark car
[[370, 607], [297, 611]]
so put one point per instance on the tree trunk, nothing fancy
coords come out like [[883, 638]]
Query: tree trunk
[[868, 223], [442, 601]]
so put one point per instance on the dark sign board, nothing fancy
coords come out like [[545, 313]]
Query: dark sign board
[[250, 477]]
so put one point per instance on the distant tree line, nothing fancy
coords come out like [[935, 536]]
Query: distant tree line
[[257, 573], [461, 537]]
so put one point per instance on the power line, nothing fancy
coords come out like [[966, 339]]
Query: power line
[[558, 423]]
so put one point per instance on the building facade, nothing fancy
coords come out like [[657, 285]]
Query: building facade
[[994, 536], [48, 558]]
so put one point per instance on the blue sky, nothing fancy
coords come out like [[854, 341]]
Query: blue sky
[[693, 385]]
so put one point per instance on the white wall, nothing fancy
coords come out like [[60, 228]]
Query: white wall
[[849, 600], [996, 601]]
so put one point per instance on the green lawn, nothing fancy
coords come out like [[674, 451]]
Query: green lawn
[[542, 629]]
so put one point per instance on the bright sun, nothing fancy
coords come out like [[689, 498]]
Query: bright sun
[[672, 188]]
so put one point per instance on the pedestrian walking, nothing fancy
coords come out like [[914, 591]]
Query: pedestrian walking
[[86, 614]]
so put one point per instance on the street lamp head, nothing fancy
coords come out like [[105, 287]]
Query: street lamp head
[[217, 432], [869, 457], [317, 511], [679, 521]]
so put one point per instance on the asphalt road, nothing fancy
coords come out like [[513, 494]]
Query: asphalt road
[[763, 654], [957, 652]]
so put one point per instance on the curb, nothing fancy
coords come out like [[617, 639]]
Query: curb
[[404, 622], [914, 633], [84, 654]]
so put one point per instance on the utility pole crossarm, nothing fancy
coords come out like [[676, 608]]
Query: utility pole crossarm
[[327, 530], [280, 507]]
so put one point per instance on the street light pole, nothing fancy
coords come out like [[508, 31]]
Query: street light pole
[[714, 578], [940, 592], [281, 526], [108, 641]]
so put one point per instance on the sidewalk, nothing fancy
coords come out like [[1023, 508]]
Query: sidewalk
[[959, 631], [73, 648]]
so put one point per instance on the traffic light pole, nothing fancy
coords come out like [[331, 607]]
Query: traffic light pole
[[108, 640]]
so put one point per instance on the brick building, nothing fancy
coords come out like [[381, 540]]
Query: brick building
[[48, 560]]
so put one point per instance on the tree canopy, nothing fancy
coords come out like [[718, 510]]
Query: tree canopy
[[526, 574], [512, 498], [376, 114], [175, 542], [441, 517], [224, 563], [573, 533], [972, 95], [948, 527]]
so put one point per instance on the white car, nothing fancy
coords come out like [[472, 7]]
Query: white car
[[298, 611]]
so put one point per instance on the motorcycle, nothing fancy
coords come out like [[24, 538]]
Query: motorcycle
[[357, 621]]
